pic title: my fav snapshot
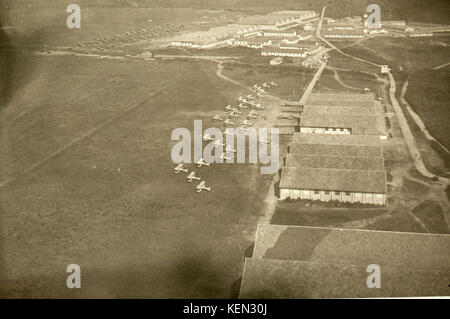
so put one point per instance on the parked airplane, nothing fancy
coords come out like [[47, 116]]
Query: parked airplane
[[273, 83], [202, 162], [247, 123], [242, 106], [202, 186], [180, 168], [227, 122], [218, 144], [252, 115], [229, 108], [217, 118], [265, 85], [233, 114], [225, 157], [251, 97], [191, 177], [228, 149], [240, 99], [207, 137], [228, 133]]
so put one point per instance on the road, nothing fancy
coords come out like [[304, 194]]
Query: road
[[312, 83], [407, 134]]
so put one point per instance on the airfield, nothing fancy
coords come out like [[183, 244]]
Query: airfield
[[86, 175]]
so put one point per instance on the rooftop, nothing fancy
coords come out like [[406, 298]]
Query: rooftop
[[359, 124], [338, 139], [268, 278], [332, 102], [332, 110], [333, 180], [341, 96], [335, 162], [336, 149], [353, 246]]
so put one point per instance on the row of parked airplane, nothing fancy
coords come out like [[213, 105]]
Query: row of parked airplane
[[190, 177]]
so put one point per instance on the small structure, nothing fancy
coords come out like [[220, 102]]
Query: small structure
[[276, 61], [385, 69]]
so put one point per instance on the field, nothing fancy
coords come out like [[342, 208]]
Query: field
[[411, 54], [428, 95], [291, 80], [107, 199]]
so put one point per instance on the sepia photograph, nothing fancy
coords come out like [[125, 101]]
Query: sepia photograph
[[224, 149]]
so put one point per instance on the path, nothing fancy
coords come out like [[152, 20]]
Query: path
[[407, 134], [418, 120], [86, 135], [441, 66]]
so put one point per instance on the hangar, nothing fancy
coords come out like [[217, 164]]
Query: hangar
[[325, 184], [304, 262]]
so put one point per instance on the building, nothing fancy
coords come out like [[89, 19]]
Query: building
[[340, 123], [399, 25], [276, 61], [416, 34], [325, 184], [277, 33], [331, 139], [307, 27], [318, 262], [364, 163], [385, 69], [324, 149], [291, 53], [340, 97], [330, 110], [286, 123], [255, 43], [343, 34]]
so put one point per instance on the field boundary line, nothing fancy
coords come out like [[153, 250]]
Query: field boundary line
[[86, 135]]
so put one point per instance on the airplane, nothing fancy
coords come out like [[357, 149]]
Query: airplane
[[261, 95], [227, 122], [229, 108], [229, 133], [259, 107], [201, 163], [250, 97], [232, 114], [207, 137], [247, 123], [180, 168], [191, 177], [217, 118], [218, 144], [242, 106], [225, 157], [252, 115], [240, 99], [228, 149], [243, 129], [202, 186], [273, 83], [265, 85]]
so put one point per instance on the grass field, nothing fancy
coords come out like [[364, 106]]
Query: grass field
[[428, 95], [291, 80], [110, 202], [412, 54]]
